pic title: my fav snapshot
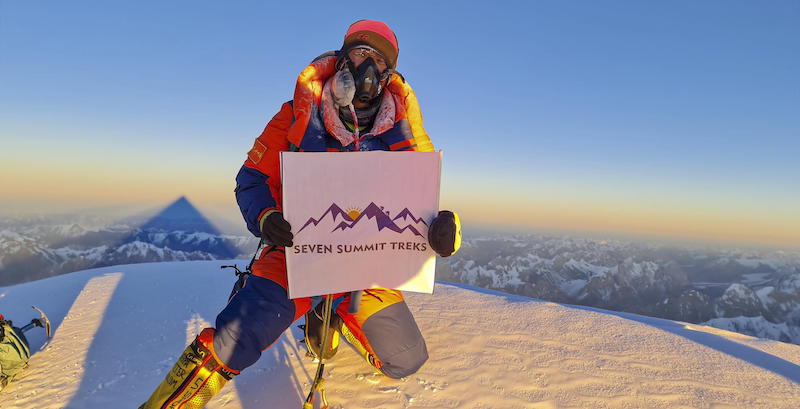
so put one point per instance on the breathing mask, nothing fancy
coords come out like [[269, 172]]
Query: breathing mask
[[362, 83], [367, 80]]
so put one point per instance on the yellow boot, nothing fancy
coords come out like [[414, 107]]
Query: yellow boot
[[194, 380]]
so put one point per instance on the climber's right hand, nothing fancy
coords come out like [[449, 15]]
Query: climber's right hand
[[275, 229]]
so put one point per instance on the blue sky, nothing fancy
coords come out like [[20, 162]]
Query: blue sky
[[663, 118]]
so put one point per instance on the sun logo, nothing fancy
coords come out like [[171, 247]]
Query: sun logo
[[353, 212]]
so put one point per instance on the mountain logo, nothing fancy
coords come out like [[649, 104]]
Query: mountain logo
[[342, 220]]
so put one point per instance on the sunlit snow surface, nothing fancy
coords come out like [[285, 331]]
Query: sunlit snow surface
[[117, 330]]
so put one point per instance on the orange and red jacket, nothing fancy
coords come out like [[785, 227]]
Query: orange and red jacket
[[300, 126]]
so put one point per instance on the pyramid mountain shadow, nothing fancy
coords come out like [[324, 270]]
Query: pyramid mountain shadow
[[181, 215], [187, 230], [176, 232]]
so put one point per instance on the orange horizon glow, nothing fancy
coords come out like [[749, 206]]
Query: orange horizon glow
[[560, 214], [631, 219], [96, 182]]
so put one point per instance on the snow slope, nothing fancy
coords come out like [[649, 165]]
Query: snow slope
[[117, 330]]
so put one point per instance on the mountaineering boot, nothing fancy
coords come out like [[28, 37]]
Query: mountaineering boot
[[313, 332], [194, 380]]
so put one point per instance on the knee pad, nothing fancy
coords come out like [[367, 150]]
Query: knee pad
[[395, 340], [407, 362]]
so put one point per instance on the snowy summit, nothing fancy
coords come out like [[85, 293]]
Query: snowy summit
[[117, 331]]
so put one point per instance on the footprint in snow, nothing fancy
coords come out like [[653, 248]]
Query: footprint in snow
[[373, 378], [431, 386]]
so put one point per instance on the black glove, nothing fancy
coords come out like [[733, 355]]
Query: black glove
[[444, 235], [275, 229]]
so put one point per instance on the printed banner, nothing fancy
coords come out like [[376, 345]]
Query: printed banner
[[360, 220]]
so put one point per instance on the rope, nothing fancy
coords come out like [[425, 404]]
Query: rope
[[318, 384]]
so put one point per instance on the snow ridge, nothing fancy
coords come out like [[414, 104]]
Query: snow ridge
[[535, 355], [664, 281]]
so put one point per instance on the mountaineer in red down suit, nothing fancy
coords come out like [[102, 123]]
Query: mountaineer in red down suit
[[346, 100]]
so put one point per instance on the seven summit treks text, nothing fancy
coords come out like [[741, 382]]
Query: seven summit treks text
[[358, 248]]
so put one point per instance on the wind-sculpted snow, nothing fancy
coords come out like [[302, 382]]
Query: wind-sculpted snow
[[118, 330], [663, 281]]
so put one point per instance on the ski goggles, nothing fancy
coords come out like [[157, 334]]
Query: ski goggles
[[363, 52]]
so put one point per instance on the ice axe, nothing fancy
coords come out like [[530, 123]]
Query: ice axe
[[43, 322]]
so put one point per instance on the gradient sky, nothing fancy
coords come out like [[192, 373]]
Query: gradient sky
[[676, 119]]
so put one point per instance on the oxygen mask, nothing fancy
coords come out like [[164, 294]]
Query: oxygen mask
[[367, 80]]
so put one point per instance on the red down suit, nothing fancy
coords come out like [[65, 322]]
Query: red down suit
[[384, 329]]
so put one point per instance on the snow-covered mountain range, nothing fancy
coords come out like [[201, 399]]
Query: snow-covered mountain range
[[753, 292], [42, 247], [118, 330]]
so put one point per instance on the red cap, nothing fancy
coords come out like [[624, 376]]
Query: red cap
[[375, 34]]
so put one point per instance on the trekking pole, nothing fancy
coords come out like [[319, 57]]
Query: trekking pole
[[318, 384]]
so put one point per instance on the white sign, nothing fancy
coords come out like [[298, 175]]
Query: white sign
[[360, 220]]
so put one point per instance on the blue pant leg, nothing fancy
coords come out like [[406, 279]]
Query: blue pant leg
[[254, 318]]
